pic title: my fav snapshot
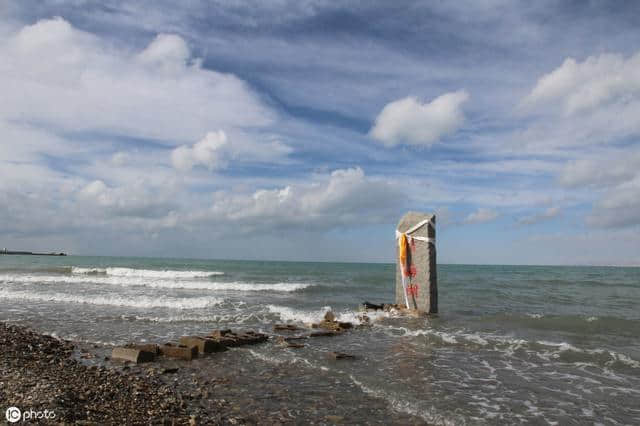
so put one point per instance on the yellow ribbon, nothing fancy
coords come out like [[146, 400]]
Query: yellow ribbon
[[402, 252]]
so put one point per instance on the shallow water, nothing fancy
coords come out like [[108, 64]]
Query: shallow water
[[511, 344]]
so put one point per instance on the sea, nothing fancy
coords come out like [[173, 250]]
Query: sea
[[510, 345]]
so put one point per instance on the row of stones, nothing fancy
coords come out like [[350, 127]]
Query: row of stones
[[189, 347]]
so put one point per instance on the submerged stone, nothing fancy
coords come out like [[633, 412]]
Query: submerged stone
[[136, 356]]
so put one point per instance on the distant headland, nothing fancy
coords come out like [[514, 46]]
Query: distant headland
[[30, 253]]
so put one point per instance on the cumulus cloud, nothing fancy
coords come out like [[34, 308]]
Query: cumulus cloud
[[411, 122], [55, 75], [208, 152], [482, 215], [596, 81], [137, 200], [545, 215], [345, 197], [214, 151]]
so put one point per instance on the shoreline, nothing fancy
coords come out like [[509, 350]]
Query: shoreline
[[81, 385]]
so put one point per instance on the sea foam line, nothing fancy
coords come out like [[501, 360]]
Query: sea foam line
[[313, 316], [542, 348], [130, 281], [133, 302], [148, 273], [404, 405]]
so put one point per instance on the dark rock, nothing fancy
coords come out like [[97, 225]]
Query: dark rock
[[372, 306], [220, 333], [324, 333], [339, 355], [286, 327]]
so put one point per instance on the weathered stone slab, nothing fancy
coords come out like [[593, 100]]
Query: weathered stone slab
[[204, 345], [325, 333], [231, 339], [340, 355], [147, 347], [133, 355], [220, 333], [421, 265], [286, 327], [252, 338], [179, 351], [285, 339]]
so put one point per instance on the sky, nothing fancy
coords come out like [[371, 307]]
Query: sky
[[304, 129]]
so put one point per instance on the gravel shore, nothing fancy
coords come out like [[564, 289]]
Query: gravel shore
[[81, 385], [39, 372]]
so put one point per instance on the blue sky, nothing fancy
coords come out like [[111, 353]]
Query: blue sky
[[303, 130]]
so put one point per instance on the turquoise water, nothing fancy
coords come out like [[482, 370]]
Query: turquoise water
[[512, 344]]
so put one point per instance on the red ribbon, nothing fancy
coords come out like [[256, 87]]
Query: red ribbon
[[412, 290]]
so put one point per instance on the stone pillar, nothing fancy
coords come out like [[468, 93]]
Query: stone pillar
[[421, 257]]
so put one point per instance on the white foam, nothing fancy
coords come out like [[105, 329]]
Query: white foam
[[405, 405], [148, 273], [134, 302], [296, 315], [266, 358], [454, 337], [313, 316], [615, 356], [130, 281]]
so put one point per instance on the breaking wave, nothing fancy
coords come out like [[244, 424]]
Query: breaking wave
[[130, 281], [147, 273], [143, 302]]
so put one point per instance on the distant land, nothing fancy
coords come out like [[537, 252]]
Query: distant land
[[30, 253]]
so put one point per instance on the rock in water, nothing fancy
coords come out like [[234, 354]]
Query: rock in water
[[339, 355], [133, 355], [204, 345], [179, 351]]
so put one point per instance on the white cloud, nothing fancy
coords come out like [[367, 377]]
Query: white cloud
[[580, 86], [346, 197], [120, 158], [411, 122], [547, 214], [214, 151], [208, 152], [138, 199], [607, 169], [482, 215], [619, 207], [168, 51], [55, 75]]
